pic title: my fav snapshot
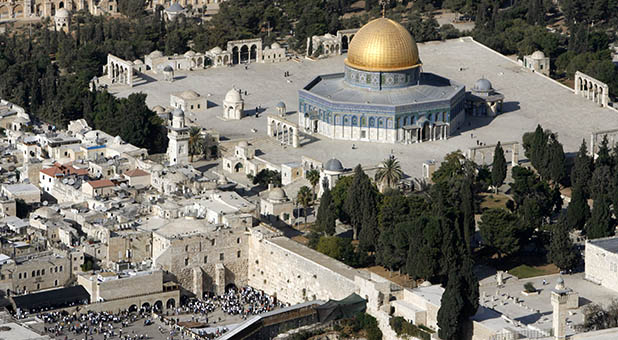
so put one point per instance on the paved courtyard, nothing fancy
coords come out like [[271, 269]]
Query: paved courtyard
[[530, 99]]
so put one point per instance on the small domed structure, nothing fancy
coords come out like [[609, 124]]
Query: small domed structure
[[178, 113], [482, 85], [233, 105], [281, 109], [190, 94], [168, 73], [174, 10], [538, 55], [560, 284], [155, 54], [333, 164], [158, 109], [138, 62], [216, 50], [277, 194], [189, 54], [275, 45]]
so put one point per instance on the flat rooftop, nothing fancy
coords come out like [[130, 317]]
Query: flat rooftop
[[530, 99], [177, 227], [609, 244], [431, 88]]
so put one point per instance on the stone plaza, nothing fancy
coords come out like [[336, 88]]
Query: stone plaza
[[530, 99]]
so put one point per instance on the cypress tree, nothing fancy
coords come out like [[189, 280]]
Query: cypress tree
[[451, 309], [498, 168], [600, 223], [325, 221], [582, 169], [361, 205], [603, 157], [556, 161], [578, 211]]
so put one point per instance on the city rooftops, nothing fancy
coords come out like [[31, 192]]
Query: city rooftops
[[61, 170], [101, 183], [136, 173]]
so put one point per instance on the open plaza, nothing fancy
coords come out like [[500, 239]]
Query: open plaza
[[529, 99]]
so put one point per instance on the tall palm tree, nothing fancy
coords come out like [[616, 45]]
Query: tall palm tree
[[313, 176], [304, 197], [389, 173], [195, 141]]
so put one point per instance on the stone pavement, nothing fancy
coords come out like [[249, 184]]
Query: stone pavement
[[530, 99]]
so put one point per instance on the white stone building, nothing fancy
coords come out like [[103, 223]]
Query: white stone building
[[188, 101], [602, 262], [178, 134], [537, 62]]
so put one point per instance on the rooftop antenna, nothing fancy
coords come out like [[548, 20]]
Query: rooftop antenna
[[383, 4]]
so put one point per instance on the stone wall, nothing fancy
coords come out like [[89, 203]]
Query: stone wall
[[602, 265], [295, 273]]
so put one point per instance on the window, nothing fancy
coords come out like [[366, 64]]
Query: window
[[61, 268], [191, 107], [33, 273], [186, 261], [238, 253], [212, 242], [205, 259], [55, 282], [42, 271], [19, 275], [238, 240], [221, 256], [38, 273]]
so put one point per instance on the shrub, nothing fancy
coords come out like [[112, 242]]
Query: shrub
[[403, 327], [529, 287]]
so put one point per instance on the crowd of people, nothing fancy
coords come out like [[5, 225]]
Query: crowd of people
[[244, 302], [88, 324]]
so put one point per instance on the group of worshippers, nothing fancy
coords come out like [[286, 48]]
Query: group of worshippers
[[244, 302], [88, 324]]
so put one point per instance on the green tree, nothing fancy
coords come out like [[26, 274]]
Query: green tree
[[562, 252], [389, 173], [339, 193], [500, 230], [195, 141], [603, 154], [601, 223], [313, 176], [304, 198], [498, 168]]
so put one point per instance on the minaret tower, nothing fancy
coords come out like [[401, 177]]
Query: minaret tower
[[178, 135]]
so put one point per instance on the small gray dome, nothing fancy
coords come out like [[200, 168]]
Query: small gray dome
[[178, 113], [281, 105], [168, 68], [333, 164], [62, 13], [482, 85], [277, 194]]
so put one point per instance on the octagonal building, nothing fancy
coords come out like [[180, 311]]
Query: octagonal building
[[383, 95]]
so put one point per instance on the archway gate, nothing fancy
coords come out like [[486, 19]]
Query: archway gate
[[119, 70], [247, 50], [283, 131]]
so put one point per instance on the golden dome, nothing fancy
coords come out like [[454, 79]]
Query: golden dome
[[382, 45]]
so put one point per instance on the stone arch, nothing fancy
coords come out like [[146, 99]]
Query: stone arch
[[38, 10], [226, 60], [231, 286], [4, 12], [426, 131], [235, 55], [171, 303], [344, 43], [200, 62], [52, 9], [61, 4], [146, 306], [253, 53], [238, 166], [133, 308], [158, 305], [18, 11], [244, 53]]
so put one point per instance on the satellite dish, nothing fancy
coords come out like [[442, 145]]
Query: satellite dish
[[65, 181], [71, 181], [45, 203]]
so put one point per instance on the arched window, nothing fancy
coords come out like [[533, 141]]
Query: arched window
[[354, 121], [372, 122]]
